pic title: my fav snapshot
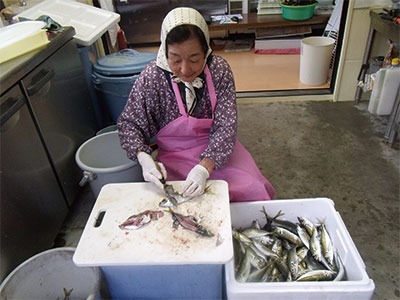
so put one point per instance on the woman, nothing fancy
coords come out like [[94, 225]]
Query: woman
[[187, 99]]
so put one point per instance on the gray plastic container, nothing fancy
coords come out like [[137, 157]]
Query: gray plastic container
[[103, 161], [45, 275]]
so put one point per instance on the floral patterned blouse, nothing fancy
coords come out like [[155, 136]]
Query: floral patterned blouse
[[152, 105]]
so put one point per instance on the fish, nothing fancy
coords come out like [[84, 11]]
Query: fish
[[288, 235], [341, 273], [282, 223], [288, 256], [255, 224], [189, 223], [245, 267], [326, 243], [141, 219], [173, 198], [255, 233], [303, 235], [293, 262], [315, 245], [67, 293], [241, 237], [317, 275], [308, 225]]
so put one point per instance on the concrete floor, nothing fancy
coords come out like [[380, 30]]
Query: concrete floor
[[320, 149]]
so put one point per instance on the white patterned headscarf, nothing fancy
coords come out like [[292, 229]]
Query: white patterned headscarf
[[176, 17]]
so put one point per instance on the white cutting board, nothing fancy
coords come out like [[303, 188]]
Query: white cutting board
[[157, 243]]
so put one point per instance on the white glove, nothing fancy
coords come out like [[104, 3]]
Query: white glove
[[195, 182], [152, 170]]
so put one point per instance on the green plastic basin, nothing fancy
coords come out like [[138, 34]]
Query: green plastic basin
[[298, 13]]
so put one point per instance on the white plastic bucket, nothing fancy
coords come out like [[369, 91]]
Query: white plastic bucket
[[46, 275], [103, 161], [315, 56]]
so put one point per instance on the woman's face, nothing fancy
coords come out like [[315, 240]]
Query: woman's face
[[186, 59]]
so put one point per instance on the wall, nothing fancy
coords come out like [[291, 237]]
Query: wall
[[355, 39]]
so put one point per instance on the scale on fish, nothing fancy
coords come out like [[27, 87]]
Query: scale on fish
[[189, 223], [141, 219]]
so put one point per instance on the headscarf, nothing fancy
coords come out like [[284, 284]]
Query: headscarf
[[176, 17]]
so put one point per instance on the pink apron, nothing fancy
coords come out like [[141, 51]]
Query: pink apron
[[181, 142]]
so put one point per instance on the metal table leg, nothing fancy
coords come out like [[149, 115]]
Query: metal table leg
[[365, 65]]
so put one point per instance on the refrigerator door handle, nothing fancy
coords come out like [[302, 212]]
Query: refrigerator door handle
[[39, 80], [9, 107]]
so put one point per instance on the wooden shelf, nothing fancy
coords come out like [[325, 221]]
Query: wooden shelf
[[254, 21]]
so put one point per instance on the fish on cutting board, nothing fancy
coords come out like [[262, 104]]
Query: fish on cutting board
[[189, 223], [141, 219]]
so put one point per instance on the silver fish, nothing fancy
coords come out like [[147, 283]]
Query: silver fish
[[241, 237], [303, 235], [245, 267], [265, 251], [315, 245], [255, 233], [327, 246], [317, 275], [141, 219], [288, 235], [308, 225], [340, 267], [293, 262]]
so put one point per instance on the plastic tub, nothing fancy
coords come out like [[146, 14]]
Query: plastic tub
[[315, 56], [297, 13], [114, 75], [110, 128], [357, 286], [104, 161], [45, 275]]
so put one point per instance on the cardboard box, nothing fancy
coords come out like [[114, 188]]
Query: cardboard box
[[357, 286]]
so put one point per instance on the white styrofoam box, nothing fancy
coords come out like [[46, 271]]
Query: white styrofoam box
[[384, 93], [390, 88], [357, 286], [89, 22], [161, 261]]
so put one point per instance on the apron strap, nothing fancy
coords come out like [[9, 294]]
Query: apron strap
[[211, 92], [178, 96]]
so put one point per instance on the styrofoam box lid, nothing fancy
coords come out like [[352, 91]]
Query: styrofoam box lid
[[16, 32], [357, 286], [124, 62], [157, 243], [89, 22]]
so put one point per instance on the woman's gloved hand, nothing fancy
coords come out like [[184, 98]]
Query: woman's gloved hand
[[153, 171], [195, 182]]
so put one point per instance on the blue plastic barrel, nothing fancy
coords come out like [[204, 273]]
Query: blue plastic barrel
[[113, 77]]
